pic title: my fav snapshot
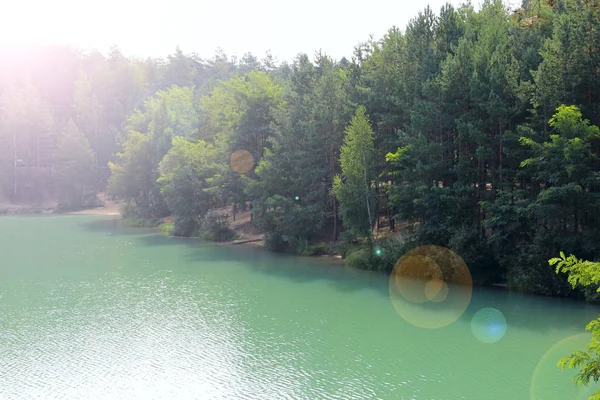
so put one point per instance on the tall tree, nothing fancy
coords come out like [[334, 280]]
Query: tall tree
[[354, 188], [74, 167]]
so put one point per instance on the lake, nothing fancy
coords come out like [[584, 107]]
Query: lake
[[90, 309]]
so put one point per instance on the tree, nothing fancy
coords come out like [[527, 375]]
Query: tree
[[293, 207], [186, 173], [27, 143], [582, 273], [148, 139], [87, 116], [354, 188], [74, 167], [133, 178]]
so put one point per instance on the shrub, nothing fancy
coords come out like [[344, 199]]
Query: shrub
[[477, 255], [184, 226], [360, 258], [378, 255], [304, 248], [166, 228], [128, 209], [348, 236], [274, 241], [140, 223], [387, 251], [527, 271], [81, 203], [215, 227]]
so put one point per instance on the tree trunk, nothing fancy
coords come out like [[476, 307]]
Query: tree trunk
[[500, 154], [15, 164], [367, 196], [335, 217], [332, 173]]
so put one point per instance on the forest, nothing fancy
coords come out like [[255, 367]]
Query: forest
[[472, 128]]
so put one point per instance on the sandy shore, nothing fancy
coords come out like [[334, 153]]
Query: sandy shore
[[16, 209], [110, 208]]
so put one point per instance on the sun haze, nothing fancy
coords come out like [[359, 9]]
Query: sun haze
[[150, 28]]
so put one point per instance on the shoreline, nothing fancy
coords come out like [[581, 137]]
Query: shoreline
[[110, 208], [245, 238], [26, 209]]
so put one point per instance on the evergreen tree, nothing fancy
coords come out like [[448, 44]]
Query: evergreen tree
[[354, 188]]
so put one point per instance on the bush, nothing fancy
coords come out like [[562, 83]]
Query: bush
[[76, 204], [341, 249], [529, 273], [215, 227], [348, 236], [167, 228], [303, 247], [128, 209], [185, 226], [360, 258], [274, 241], [387, 251], [140, 223], [379, 255], [477, 255]]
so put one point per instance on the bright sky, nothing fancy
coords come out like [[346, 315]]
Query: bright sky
[[149, 28]]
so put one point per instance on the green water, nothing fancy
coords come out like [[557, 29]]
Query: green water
[[92, 310]]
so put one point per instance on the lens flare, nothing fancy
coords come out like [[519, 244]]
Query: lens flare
[[430, 287], [549, 382], [488, 325], [241, 161], [411, 275], [436, 290]]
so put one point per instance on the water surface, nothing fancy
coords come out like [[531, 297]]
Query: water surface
[[92, 310]]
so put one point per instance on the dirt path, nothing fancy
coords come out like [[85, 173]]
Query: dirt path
[[246, 232]]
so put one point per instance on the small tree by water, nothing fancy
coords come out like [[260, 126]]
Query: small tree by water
[[583, 273]]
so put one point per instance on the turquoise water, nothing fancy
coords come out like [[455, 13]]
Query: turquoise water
[[92, 310]]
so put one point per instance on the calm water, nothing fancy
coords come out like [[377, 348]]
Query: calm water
[[91, 310]]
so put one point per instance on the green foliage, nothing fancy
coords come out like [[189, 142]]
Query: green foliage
[[140, 223], [88, 201], [133, 178], [481, 136], [238, 115], [215, 227], [582, 273], [186, 174], [167, 228], [386, 251], [290, 193], [354, 189], [359, 258], [377, 255]]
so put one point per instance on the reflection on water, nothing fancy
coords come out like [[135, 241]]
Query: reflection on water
[[92, 310], [488, 325], [430, 287]]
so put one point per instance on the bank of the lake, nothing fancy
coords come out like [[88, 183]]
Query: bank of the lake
[[25, 209], [91, 309]]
